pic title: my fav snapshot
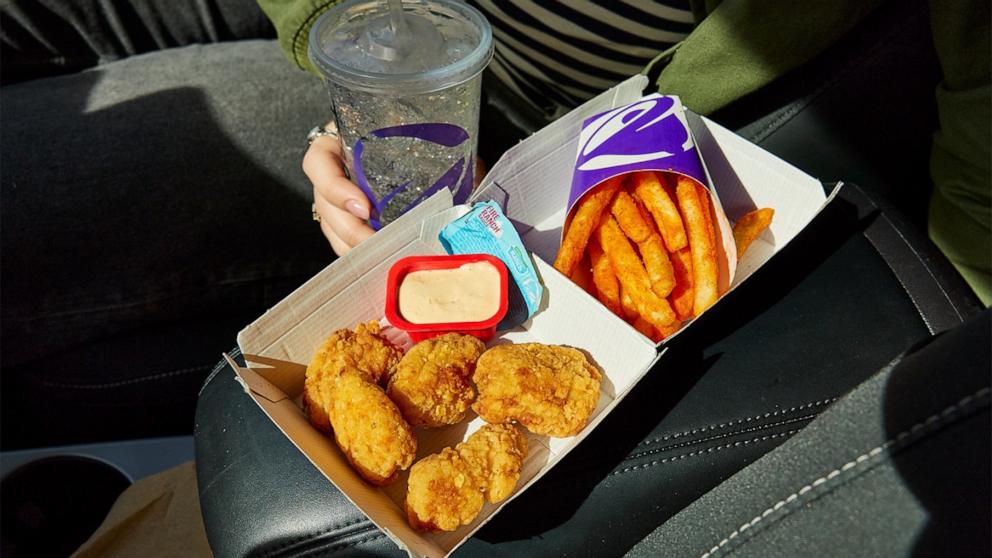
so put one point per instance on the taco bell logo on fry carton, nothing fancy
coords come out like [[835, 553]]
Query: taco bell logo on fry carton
[[649, 134]]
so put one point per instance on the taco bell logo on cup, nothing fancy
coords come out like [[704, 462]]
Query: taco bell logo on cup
[[458, 177], [649, 134]]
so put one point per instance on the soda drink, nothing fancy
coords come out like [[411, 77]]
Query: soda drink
[[404, 85]]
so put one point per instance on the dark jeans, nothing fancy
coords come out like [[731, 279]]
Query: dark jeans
[[42, 38], [152, 206]]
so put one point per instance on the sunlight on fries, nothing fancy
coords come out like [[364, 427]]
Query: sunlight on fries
[[750, 226], [587, 215], [644, 244]]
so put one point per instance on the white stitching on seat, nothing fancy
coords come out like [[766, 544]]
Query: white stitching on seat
[[740, 421], [714, 437], [930, 421], [128, 381], [702, 451]]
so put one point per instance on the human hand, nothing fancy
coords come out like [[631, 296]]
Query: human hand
[[341, 205]]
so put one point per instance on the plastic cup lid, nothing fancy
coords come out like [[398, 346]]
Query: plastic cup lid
[[451, 18]]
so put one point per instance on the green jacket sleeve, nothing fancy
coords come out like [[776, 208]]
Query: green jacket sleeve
[[292, 20], [742, 46], [960, 222], [739, 47]]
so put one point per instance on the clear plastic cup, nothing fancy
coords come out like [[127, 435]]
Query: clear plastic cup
[[405, 96]]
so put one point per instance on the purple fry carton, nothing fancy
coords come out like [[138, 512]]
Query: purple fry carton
[[650, 134]]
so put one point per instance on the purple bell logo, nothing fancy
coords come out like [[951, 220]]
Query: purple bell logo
[[458, 177], [649, 134], [616, 138]]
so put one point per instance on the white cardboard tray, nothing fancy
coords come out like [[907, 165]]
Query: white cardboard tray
[[530, 182]]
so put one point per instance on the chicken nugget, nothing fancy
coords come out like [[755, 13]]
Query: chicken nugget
[[364, 349], [549, 389], [496, 452], [443, 492], [368, 427], [431, 384], [447, 489]]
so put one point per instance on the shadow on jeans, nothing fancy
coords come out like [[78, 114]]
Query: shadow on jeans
[[138, 237]]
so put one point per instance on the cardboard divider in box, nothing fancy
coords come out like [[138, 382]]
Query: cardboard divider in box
[[531, 184]]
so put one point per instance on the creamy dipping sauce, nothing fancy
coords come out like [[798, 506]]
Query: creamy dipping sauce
[[469, 293]]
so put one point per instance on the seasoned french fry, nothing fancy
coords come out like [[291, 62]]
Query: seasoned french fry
[[648, 189], [632, 275], [704, 202], [582, 275], [628, 216], [587, 216], [657, 261], [654, 333], [666, 332], [695, 210], [658, 265], [606, 283], [644, 328], [627, 303], [682, 297], [636, 224], [748, 227]]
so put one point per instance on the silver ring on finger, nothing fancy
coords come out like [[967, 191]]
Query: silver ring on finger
[[321, 131]]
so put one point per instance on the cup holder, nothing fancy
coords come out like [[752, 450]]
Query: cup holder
[[51, 506]]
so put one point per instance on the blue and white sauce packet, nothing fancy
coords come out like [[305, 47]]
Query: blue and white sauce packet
[[485, 230]]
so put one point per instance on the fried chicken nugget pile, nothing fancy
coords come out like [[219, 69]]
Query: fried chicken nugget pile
[[448, 489], [368, 427], [342, 393], [551, 390], [364, 349], [431, 384]]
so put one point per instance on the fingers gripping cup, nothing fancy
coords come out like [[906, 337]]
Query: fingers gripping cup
[[404, 87]]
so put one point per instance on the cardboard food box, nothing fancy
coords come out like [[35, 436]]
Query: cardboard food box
[[531, 183]]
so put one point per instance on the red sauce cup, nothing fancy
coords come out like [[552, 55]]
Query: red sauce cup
[[484, 329]]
